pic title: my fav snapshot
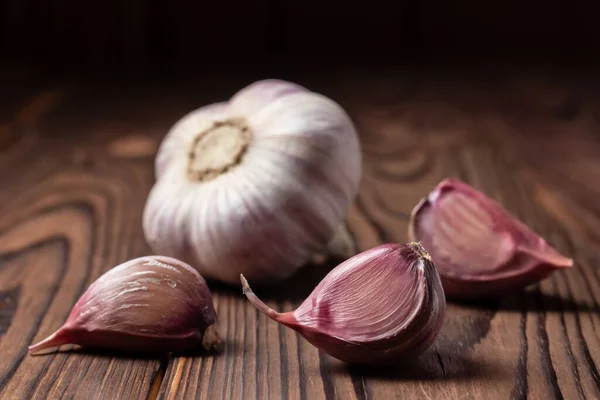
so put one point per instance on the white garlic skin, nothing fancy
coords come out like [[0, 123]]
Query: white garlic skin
[[281, 203]]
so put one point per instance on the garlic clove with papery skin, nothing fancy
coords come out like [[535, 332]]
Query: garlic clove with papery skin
[[255, 185], [478, 247], [148, 304], [378, 307]]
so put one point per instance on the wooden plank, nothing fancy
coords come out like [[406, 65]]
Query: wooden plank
[[74, 210], [537, 344], [64, 221]]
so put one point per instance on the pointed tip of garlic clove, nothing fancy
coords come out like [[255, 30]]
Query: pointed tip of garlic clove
[[564, 262], [550, 257], [245, 285], [246, 289], [479, 248], [53, 341], [258, 303]]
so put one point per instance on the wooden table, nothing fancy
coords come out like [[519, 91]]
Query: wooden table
[[77, 164]]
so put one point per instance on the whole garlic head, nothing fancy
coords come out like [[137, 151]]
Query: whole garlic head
[[255, 185]]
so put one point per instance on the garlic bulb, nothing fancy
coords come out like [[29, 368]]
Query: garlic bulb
[[256, 185], [375, 308]]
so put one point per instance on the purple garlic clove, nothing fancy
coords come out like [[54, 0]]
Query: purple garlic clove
[[148, 304], [479, 248], [375, 308]]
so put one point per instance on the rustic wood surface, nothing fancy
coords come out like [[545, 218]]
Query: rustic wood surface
[[76, 165]]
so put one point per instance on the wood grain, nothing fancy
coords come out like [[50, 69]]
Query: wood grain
[[75, 181]]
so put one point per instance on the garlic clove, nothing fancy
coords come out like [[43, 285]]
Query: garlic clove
[[479, 248], [148, 304], [255, 185], [375, 308]]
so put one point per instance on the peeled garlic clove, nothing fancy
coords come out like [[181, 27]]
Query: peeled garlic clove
[[479, 248], [148, 304], [255, 185], [375, 308]]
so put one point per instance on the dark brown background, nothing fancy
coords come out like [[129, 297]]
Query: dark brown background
[[199, 33], [503, 95]]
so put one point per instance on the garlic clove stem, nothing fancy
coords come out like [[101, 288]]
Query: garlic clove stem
[[258, 303]]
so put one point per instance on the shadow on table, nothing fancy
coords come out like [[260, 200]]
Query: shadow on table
[[532, 300], [99, 352], [296, 288], [431, 365]]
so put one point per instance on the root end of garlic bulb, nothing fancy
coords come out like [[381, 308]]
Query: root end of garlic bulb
[[211, 341], [420, 250], [218, 149]]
